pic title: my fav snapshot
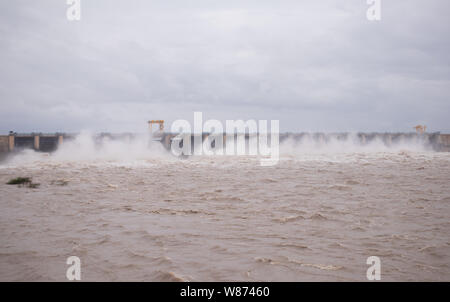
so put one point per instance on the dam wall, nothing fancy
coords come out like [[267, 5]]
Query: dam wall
[[36, 141], [47, 142]]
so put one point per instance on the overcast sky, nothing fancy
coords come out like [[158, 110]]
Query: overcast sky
[[313, 65]]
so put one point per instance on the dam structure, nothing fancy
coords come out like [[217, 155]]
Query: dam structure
[[49, 142], [433, 141]]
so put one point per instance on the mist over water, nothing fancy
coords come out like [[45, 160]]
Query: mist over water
[[85, 148], [350, 144]]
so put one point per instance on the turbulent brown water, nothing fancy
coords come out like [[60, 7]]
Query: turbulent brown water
[[316, 216]]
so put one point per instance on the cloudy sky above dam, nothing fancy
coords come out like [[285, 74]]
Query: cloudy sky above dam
[[313, 65]]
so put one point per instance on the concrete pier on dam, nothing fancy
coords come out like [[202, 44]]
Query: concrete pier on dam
[[49, 142]]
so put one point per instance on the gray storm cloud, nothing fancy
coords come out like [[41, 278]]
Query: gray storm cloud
[[314, 65]]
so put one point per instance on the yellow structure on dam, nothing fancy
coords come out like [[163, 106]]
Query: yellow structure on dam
[[158, 122]]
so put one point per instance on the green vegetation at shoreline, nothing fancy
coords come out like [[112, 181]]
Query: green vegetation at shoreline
[[23, 181]]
